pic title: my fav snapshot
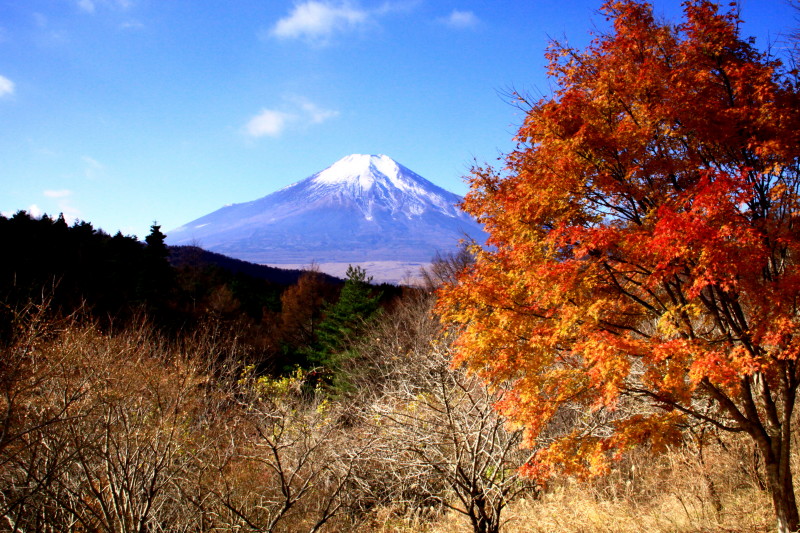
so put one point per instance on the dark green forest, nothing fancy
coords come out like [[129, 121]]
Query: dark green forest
[[287, 318]]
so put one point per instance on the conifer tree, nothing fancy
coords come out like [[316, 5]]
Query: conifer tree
[[157, 276], [345, 319]]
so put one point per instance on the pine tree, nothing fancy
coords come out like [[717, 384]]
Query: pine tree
[[344, 320], [157, 277]]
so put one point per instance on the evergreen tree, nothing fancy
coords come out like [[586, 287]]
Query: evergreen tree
[[356, 306], [156, 245], [157, 276]]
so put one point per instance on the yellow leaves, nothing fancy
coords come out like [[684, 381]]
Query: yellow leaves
[[677, 320], [782, 332], [657, 430], [585, 456], [607, 366], [576, 455], [280, 386]]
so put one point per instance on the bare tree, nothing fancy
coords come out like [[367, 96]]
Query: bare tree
[[445, 267], [112, 461], [288, 465], [39, 396], [441, 441]]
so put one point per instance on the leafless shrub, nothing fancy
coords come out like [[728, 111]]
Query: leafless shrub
[[441, 444], [288, 466], [125, 431], [445, 267], [39, 395], [111, 459]]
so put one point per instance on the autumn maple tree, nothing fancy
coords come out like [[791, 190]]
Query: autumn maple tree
[[644, 244]]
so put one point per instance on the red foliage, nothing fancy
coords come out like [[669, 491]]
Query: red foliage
[[643, 243]]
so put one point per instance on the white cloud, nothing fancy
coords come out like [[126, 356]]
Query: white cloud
[[268, 122], [402, 6], [6, 86], [312, 112], [86, 5], [300, 112], [132, 25], [317, 21], [63, 204], [62, 193], [35, 211], [71, 214], [90, 6], [93, 169], [460, 19]]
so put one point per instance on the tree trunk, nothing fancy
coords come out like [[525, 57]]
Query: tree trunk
[[776, 451], [779, 479]]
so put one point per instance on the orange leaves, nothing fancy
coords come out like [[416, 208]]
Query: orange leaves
[[708, 233], [714, 365], [644, 237], [782, 339], [590, 455], [658, 430]]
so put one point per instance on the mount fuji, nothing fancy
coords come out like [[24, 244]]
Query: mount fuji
[[364, 209]]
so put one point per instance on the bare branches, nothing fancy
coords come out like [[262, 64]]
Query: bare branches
[[129, 432], [440, 441]]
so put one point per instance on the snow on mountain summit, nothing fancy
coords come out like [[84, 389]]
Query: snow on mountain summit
[[365, 170], [381, 178], [360, 168], [361, 208]]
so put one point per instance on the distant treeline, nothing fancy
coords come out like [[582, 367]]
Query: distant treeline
[[77, 266], [116, 279]]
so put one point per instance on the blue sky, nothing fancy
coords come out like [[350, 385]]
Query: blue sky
[[126, 112]]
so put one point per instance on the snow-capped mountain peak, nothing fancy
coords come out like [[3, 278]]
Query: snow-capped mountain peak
[[358, 168], [361, 208], [379, 179]]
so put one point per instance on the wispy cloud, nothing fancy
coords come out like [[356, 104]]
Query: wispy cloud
[[298, 112], [6, 87], [268, 122], [86, 5], [132, 25], [61, 193], [398, 6], [63, 204], [90, 6], [311, 111], [317, 21], [46, 34], [460, 19], [93, 169]]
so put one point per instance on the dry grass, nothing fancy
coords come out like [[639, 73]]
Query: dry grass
[[94, 413], [682, 491]]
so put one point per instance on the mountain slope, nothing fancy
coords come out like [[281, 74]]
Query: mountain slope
[[361, 208], [191, 256]]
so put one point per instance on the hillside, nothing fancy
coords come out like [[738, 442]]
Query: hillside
[[195, 257]]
